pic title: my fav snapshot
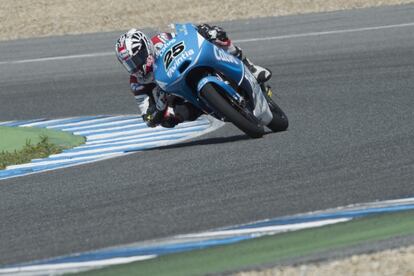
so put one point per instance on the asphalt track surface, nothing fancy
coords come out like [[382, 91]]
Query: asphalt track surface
[[349, 97]]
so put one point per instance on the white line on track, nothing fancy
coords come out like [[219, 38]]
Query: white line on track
[[189, 130], [130, 141], [111, 149], [266, 230], [109, 129], [53, 269], [411, 24], [49, 122], [80, 160], [94, 55], [124, 122], [83, 123], [92, 138], [57, 58], [5, 123]]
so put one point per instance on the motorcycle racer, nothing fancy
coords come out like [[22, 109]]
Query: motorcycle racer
[[137, 53]]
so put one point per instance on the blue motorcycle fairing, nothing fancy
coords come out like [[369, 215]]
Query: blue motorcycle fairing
[[189, 50], [188, 61], [213, 79], [223, 62]]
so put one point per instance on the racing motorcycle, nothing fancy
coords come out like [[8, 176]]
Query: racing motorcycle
[[193, 68]]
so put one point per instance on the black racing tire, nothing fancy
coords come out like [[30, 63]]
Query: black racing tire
[[221, 105], [280, 121]]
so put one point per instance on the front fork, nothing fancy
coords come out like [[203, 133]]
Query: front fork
[[268, 93]]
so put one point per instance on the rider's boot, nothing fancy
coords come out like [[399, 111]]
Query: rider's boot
[[260, 73], [180, 112]]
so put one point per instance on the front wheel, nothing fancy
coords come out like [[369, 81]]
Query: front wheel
[[219, 104], [280, 121]]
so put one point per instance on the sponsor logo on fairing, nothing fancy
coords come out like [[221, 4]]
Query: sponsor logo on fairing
[[183, 29], [220, 54], [178, 61], [166, 45]]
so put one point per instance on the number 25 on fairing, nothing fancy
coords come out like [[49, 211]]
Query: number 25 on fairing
[[171, 54]]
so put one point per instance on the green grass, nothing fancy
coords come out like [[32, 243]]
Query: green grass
[[20, 145], [15, 138], [270, 249]]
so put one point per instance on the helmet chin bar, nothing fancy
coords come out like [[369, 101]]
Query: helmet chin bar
[[134, 64], [130, 66]]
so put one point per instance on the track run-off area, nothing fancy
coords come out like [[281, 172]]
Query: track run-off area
[[106, 137], [345, 80]]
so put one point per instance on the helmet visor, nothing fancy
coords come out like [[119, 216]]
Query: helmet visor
[[135, 63], [130, 66]]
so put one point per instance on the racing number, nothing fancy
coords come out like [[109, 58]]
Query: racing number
[[173, 53]]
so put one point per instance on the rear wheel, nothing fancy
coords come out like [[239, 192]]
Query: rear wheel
[[243, 119], [280, 121]]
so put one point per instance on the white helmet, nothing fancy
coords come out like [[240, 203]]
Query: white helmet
[[132, 50]]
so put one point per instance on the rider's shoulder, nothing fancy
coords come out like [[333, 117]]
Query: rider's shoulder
[[159, 41], [161, 38]]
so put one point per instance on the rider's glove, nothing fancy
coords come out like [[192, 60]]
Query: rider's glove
[[153, 117], [218, 33], [203, 30], [157, 118], [170, 122], [212, 33]]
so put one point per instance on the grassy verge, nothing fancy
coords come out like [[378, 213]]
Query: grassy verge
[[20, 145], [270, 249]]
